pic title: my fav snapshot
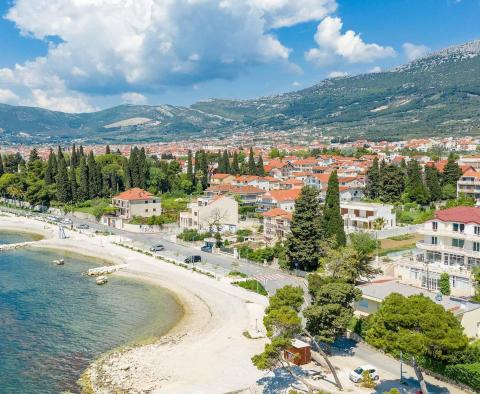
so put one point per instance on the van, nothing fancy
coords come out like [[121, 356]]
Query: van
[[193, 259]]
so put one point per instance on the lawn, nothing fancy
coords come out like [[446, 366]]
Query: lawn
[[398, 243]]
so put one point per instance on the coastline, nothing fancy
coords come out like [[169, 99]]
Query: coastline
[[205, 351]]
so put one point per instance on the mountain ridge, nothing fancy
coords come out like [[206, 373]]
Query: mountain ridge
[[438, 94]]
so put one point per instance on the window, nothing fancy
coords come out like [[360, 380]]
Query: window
[[476, 229], [435, 225], [458, 227], [458, 243], [473, 262], [476, 246], [363, 303], [434, 240], [154, 209], [146, 210]]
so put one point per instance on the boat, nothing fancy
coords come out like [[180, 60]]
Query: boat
[[101, 280], [59, 262]]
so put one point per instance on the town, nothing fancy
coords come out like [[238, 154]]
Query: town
[[375, 231]]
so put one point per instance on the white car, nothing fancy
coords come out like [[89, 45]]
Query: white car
[[67, 221], [356, 375]]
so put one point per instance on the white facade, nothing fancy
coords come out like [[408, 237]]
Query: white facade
[[208, 214], [360, 216]]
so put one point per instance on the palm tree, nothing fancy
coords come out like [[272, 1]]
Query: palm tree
[[378, 224]]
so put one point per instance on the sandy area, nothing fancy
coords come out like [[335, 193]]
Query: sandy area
[[205, 352]]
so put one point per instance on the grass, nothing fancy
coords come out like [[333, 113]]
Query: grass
[[237, 274], [96, 207], [402, 237], [252, 285], [384, 252]]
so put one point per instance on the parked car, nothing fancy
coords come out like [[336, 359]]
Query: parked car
[[356, 375], [52, 219], [83, 226], [157, 248], [193, 259], [206, 249], [67, 221]]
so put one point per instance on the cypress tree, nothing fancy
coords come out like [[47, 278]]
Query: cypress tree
[[220, 163], [432, 181], [391, 183], [74, 157], [302, 247], [372, 187], [415, 188], [93, 182], [451, 172], [332, 223], [226, 162], [235, 169], [2, 171], [33, 155], [133, 167], [126, 174], [205, 172], [142, 169], [73, 185], [260, 167], [80, 151], [49, 172], [83, 192], [60, 154], [63, 183], [190, 176], [252, 167], [107, 149]]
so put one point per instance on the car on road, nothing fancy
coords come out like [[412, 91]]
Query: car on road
[[67, 221], [206, 249], [356, 375], [83, 226], [193, 259], [52, 219], [157, 248]]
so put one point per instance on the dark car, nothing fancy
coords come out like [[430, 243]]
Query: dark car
[[193, 259], [83, 226], [206, 249], [157, 248]]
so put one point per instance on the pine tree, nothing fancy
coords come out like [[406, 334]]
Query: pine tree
[[63, 183], [451, 172], [391, 183], [415, 188], [83, 192], [303, 248], [226, 162], [372, 187], [190, 176], [33, 155], [107, 150], [332, 224], [49, 172], [260, 167], [432, 181], [235, 169], [252, 167], [73, 185], [2, 170], [74, 157]]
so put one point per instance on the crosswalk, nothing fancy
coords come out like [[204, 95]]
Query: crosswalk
[[265, 278]]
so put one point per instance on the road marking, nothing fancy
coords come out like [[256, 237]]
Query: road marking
[[265, 278]]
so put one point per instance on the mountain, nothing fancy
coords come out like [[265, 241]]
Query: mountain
[[435, 95]]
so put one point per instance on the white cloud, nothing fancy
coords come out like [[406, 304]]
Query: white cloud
[[376, 69], [7, 96], [333, 44], [134, 98], [413, 51], [116, 47], [337, 74], [296, 84]]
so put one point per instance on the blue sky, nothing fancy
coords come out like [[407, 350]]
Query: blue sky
[[58, 55]]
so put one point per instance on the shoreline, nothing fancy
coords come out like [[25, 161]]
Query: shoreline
[[205, 351]]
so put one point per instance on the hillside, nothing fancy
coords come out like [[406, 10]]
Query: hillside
[[436, 95]]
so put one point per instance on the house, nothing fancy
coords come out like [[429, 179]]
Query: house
[[291, 183], [276, 225], [469, 184], [284, 199], [361, 216], [279, 168], [451, 244], [265, 183], [248, 195], [136, 202], [373, 294], [221, 179], [211, 213]]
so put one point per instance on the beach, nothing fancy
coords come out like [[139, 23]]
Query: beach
[[206, 352]]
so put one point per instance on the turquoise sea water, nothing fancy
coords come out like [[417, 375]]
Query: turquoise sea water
[[54, 322]]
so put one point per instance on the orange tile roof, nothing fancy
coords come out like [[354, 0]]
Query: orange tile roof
[[220, 176], [284, 195], [134, 194], [276, 212], [459, 214]]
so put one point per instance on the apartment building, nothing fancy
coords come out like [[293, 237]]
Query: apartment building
[[248, 195], [136, 202], [361, 216], [276, 225], [283, 199], [221, 179], [451, 244], [211, 213]]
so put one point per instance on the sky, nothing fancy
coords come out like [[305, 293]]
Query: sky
[[87, 55]]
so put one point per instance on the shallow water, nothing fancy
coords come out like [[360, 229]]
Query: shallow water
[[54, 322]]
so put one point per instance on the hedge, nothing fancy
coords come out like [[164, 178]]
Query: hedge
[[468, 374]]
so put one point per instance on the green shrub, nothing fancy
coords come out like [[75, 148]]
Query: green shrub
[[237, 274], [252, 285], [193, 235], [468, 374]]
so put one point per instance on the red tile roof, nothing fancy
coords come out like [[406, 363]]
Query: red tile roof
[[276, 212], [460, 215], [284, 195], [134, 194], [220, 176]]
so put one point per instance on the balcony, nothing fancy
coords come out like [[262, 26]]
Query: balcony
[[447, 249]]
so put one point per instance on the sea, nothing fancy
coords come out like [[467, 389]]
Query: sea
[[54, 321]]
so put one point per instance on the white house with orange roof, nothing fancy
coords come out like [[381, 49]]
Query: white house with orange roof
[[276, 225], [136, 202], [283, 199], [279, 168], [211, 214], [469, 184], [221, 179], [266, 183]]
